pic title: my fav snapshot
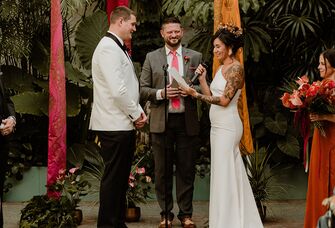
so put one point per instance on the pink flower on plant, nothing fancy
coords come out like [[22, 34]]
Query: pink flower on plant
[[73, 170], [131, 184], [147, 179], [131, 177], [62, 171], [140, 170]]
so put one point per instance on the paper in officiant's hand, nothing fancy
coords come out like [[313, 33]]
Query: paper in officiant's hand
[[176, 76]]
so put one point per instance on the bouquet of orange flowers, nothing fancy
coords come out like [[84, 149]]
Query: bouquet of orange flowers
[[317, 97], [303, 98]]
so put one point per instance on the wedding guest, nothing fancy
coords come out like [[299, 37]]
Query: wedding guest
[[7, 124], [115, 114], [179, 137], [321, 179], [232, 202]]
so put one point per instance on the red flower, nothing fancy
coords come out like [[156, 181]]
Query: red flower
[[186, 58]]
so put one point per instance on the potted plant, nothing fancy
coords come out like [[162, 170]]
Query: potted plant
[[48, 212], [260, 177], [138, 191]]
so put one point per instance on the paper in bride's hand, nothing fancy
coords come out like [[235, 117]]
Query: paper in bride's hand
[[174, 74]]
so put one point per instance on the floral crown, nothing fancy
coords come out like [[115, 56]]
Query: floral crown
[[231, 28]]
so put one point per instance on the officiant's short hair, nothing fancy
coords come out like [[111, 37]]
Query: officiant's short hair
[[171, 20]]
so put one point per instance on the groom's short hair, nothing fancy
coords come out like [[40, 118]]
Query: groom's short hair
[[121, 11]]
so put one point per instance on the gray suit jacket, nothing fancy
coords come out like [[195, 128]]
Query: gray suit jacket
[[152, 79]]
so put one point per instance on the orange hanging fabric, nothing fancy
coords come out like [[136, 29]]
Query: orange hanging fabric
[[227, 12]]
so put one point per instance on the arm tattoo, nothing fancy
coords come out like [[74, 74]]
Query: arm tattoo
[[208, 99], [235, 80]]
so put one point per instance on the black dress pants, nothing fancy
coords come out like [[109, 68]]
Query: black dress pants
[[3, 169], [117, 150], [181, 150]]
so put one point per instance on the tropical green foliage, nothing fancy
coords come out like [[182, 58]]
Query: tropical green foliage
[[40, 212], [88, 34], [274, 131], [201, 11], [87, 157], [20, 22], [252, 5], [301, 30]]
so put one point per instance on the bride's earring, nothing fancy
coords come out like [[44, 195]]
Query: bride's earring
[[230, 52]]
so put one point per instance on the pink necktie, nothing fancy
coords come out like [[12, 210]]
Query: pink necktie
[[175, 102]]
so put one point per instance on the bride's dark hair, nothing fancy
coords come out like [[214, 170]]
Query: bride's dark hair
[[231, 36]]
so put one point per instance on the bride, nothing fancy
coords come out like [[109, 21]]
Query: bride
[[232, 202]]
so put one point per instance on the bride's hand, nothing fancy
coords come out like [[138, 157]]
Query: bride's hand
[[201, 71], [188, 91]]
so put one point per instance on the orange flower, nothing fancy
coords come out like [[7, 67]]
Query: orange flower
[[302, 80], [295, 98], [285, 99]]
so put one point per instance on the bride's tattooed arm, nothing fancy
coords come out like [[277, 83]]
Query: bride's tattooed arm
[[208, 99], [235, 80]]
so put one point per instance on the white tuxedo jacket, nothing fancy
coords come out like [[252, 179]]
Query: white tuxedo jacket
[[115, 89]]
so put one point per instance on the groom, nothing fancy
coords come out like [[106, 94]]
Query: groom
[[179, 136]]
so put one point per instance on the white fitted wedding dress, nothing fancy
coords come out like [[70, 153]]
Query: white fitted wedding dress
[[232, 203]]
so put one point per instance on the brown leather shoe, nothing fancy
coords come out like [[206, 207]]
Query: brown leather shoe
[[163, 225], [187, 222]]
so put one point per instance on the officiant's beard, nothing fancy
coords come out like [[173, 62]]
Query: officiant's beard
[[173, 44]]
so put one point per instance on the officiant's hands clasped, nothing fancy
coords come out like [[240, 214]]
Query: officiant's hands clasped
[[172, 92]]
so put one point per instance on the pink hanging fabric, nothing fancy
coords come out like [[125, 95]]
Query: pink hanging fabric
[[57, 99]]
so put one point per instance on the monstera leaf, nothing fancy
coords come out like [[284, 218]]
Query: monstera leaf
[[277, 125], [76, 76], [72, 100], [289, 145], [88, 35], [34, 103], [16, 79]]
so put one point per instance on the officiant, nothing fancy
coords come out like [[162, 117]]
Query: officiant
[[181, 128]]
